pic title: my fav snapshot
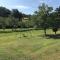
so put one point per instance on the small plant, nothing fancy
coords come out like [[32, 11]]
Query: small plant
[[55, 30], [24, 35]]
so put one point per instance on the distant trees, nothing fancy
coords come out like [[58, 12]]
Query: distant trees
[[55, 20], [16, 14], [16, 17], [44, 18], [13, 19], [8, 18], [4, 12]]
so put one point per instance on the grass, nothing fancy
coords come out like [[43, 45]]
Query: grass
[[29, 45]]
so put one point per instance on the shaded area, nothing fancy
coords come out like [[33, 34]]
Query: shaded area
[[14, 30], [6, 31], [57, 36]]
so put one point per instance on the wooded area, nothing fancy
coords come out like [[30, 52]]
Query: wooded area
[[46, 17]]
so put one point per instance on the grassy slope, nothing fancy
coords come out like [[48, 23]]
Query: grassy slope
[[28, 46]]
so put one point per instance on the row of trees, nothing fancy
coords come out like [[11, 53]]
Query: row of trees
[[9, 19], [46, 18], [12, 19]]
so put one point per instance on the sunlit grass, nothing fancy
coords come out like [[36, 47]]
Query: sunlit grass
[[29, 45]]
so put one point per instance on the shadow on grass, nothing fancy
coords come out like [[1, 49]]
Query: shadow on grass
[[6, 31], [10, 31], [57, 36], [49, 36]]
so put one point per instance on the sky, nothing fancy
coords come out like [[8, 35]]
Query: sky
[[28, 6]]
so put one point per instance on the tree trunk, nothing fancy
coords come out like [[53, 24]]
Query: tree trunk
[[20, 19], [55, 33], [45, 31], [12, 29]]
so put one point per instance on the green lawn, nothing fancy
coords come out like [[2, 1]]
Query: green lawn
[[29, 45]]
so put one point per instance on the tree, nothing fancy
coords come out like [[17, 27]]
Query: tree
[[16, 14], [16, 17], [58, 16], [4, 12], [55, 20], [42, 16], [2, 23], [55, 30]]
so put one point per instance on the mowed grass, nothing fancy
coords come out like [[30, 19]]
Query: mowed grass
[[29, 45]]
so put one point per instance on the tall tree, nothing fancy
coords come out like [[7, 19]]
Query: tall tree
[[42, 16], [16, 14], [16, 17], [56, 20], [4, 12]]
